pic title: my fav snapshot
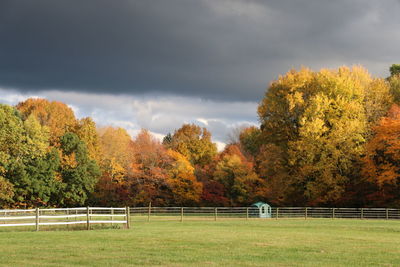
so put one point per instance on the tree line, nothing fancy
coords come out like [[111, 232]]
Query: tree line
[[326, 138]]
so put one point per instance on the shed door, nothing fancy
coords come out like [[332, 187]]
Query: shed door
[[263, 212]]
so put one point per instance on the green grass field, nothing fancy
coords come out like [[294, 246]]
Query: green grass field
[[317, 242]]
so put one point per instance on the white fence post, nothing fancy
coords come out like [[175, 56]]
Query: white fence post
[[87, 218], [37, 219]]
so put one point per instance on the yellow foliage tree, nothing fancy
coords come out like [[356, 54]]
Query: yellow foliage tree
[[316, 124], [186, 190]]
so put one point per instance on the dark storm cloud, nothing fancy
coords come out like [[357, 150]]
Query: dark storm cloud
[[215, 49]]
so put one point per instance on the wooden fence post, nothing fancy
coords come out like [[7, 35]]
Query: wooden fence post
[[247, 213], [37, 219], [112, 217], [362, 213], [148, 216], [127, 217], [182, 214], [277, 213], [387, 214], [305, 213], [333, 213], [87, 218], [215, 214]]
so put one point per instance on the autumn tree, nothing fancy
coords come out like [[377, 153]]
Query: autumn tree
[[11, 149], [250, 140], [233, 136], [116, 147], [314, 126], [214, 194], [149, 179], [186, 190], [57, 116], [194, 143], [394, 81], [6, 192], [382, 161], [242, 185], [87, 132]]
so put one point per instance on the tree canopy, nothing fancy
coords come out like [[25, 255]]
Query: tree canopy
[[326, 138]]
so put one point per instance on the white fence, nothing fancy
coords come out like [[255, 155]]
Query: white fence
[[106, 215], [216, 213], [64, 216]]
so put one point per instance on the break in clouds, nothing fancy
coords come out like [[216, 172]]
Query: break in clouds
[[157, 64]]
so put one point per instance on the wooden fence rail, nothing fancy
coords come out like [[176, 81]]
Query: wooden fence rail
[[64, 216]]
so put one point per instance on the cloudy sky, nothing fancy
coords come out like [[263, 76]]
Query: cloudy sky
[[159, 63]]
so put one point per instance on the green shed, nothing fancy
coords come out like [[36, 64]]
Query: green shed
[[264, 210]]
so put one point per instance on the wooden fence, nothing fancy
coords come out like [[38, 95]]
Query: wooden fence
[[64, 216], [217, 213]]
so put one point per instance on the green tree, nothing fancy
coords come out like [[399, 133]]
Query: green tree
[[35, 182], [394, 69], [394, 82], [79, 173], [25, 160]]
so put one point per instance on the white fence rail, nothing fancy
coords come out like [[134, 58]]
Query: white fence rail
[[216, 213], [64, 216]]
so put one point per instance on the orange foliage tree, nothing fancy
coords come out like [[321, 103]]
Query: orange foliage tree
[[242, 185], [116, 147], [57, 116], [149, 179], [382, 161]]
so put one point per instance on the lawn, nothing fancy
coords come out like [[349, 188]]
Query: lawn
[[286, 242]]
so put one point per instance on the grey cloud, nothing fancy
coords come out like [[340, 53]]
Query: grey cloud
[[160, 115], [226, 49]]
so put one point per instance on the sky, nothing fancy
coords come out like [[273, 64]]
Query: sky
[[157, 64]]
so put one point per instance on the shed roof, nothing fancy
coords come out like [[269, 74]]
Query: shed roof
[[259, 204]]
